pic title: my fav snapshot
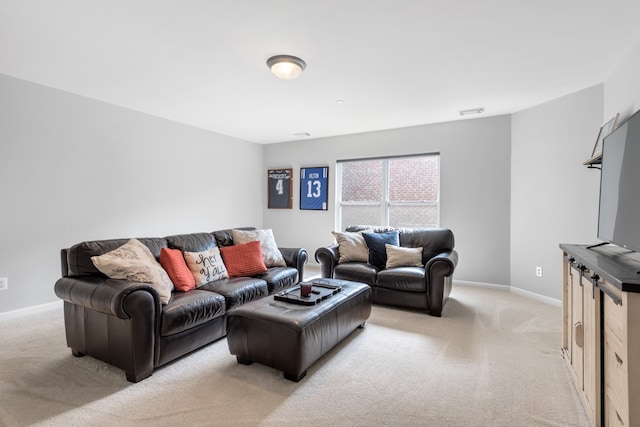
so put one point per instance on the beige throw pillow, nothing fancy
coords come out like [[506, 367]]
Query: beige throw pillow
[[270, 253], [398, 256], [133, 261], [351, 247], [206, 266]]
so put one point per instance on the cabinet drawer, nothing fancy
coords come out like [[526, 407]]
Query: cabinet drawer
[[614, 316], [615, 371]]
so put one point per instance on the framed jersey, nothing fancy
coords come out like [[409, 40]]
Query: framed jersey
[[280, 184], [314, 188]]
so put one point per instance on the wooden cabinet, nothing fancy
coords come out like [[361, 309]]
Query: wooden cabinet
[[601, 331], [581, 343]]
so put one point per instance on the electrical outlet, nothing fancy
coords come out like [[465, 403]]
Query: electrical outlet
[[539, 271], [4, 283]]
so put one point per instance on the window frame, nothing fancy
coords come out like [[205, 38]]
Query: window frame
[[385, 204]]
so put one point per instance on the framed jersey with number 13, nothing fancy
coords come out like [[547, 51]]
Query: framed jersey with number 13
[[314, 188]]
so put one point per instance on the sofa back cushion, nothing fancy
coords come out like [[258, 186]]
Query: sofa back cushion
[[432, 240], [79, 255], [225, 237], [194, 242]]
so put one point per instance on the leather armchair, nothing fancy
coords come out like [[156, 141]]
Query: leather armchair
[[426, 288]]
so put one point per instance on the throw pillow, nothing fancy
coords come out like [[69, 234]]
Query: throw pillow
[[244, 259], [175, 266], [351, 247], [206, 266], [270, 253], [376, 242], [397, 256], [134, 261]]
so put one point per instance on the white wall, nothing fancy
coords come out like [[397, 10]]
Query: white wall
[[475, 187], [622, 87], [554, 197], [75, 169]]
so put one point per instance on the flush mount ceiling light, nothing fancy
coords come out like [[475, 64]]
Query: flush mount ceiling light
[[286, 67], [478, 110]]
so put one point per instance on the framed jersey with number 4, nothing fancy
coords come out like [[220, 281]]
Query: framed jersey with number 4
[[280, 183], [314, 188]]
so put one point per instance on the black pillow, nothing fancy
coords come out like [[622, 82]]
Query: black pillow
[[376, 242]]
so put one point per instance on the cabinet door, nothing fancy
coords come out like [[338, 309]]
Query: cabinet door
[[591, 348], [576, 327]]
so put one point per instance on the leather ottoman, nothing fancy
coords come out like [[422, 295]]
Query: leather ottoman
[[291, 337]]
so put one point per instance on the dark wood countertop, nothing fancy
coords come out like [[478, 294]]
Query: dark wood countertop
[[617, 265]]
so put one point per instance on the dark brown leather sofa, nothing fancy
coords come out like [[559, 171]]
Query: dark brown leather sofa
[[426, 288], [125, 324]]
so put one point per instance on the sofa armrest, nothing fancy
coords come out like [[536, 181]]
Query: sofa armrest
[[103, 295], [327, 257], [296, 258]]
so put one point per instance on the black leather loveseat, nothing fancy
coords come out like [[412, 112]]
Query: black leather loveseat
[[425, 284], [124, 323]]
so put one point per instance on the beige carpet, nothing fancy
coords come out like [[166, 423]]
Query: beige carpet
[[493, 360]]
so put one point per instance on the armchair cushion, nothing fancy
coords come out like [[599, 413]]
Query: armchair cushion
[[351, 247], [397, 256], [376, 243]]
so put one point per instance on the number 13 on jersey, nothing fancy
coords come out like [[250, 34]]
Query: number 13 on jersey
[[314, 188]]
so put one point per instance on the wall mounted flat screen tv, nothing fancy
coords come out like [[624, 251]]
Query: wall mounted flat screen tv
[[619, 212]]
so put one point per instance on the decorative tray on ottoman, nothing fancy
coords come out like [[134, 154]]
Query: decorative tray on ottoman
[[319, 291]]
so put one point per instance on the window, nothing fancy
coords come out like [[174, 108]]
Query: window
[[394, 191]]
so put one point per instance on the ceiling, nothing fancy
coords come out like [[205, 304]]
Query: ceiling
[[394, 63]]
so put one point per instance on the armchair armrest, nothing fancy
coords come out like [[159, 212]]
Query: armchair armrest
[[296, 258], [103, 295], [438, 277], [327, 257], [444, 263]]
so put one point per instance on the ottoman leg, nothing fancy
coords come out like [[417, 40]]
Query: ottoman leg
[[295, 378], [244, 361]]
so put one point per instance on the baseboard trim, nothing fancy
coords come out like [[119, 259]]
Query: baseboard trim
[[15, 314], [528, 294]]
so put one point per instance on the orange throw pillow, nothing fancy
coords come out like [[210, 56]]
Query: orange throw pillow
[[244, 259], [176, 267]]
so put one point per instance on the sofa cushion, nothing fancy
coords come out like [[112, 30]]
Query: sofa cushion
[[397, 256], [244, 259], [133, 261], [356, 272], [377, 250], [238, 290], [190, 309], [409, 279], [225, 237], [206, 266], [194, 242], [279, 278], [79, 255], [270, 253], [351, 247], [174, 264], [433, 241]]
